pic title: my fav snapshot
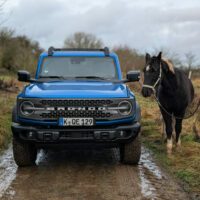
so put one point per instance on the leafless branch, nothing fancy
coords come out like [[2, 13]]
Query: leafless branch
[[190, 59], [83, 40]]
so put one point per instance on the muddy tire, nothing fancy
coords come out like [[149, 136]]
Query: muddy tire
[[130, 152], [24, 153]]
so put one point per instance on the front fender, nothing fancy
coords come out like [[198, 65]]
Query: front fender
[[14, 114], [138, 112]]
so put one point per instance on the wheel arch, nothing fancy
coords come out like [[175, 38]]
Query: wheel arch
[[14, 114], [138, 112]]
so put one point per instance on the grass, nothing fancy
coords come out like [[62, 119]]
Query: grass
[[7, 101], [183, 163]]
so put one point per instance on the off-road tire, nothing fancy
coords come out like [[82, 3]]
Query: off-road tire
[[130, 152], [24, 153]]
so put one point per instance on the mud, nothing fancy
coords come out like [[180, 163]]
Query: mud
[[86, 175]]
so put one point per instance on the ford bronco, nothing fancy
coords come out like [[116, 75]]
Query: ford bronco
[[78, 97]]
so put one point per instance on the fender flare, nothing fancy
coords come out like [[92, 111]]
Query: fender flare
[[14, 114], [138, 112]]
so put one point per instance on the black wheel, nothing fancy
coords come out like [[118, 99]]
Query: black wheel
[[130, 153], [24, 153]]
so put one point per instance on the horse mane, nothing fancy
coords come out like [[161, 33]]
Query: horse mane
[[171, 68]]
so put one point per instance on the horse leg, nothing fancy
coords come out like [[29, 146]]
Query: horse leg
[[173, 128], [178, 128], [162, 128], [169, 144], [168, 124], [163, 131]]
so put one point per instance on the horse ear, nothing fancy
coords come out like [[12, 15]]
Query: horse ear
[[159, 56], [148, 57]]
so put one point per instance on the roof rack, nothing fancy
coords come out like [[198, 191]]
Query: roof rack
[[52, 49]]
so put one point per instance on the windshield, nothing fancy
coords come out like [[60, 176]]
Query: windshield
[[78, 67]]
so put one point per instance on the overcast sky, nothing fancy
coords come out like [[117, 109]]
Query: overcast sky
[[141, 24]]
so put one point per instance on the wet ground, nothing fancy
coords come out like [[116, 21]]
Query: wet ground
[[86, 175]]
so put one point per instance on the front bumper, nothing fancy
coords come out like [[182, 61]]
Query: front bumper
[[55, 135]]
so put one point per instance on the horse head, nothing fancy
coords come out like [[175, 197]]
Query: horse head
[[152, 74]]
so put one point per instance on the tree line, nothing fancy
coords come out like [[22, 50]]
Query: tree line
[[20, 52], [17, 52]]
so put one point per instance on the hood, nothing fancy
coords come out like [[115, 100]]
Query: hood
[[76, 89]]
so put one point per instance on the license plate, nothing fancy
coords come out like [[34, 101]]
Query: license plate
[[76, 121]]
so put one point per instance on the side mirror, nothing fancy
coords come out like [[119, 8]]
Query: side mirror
[[24, 76], [133, 76]]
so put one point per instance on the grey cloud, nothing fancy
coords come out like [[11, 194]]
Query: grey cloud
[[143, 24]]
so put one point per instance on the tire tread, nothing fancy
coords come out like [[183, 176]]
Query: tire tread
[[130, 153], [24, 153]]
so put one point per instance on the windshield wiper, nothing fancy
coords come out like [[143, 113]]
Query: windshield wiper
[[91, 77], [60, 77]]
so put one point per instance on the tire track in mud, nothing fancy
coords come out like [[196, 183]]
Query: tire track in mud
[[159, 184], [8, 170], [86, 175]]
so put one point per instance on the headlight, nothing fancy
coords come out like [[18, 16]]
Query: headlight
[[27, 108], [125, 108]]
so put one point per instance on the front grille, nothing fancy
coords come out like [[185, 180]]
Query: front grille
[[79, 102], [76, 107], [55, 114], [53, 109]]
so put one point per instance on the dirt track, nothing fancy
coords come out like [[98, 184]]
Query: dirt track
[[86, 175]]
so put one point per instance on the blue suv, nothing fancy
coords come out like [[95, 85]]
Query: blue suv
[[77, 98]]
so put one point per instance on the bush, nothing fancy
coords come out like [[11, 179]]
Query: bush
[[8, 84], [129, 58], [18, 52]]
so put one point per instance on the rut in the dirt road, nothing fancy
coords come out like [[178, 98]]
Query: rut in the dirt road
[[86, 175]]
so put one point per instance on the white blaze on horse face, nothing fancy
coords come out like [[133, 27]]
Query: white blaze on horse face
[[147, 68]]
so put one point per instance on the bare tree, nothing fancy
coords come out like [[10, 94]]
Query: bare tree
[[83, 40], [129, 58], [190, 60], [169, 54]]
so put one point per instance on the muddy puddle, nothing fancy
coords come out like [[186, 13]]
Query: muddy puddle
[[86, 175]]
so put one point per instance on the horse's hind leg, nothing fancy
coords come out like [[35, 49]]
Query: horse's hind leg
[[163, 128], [173, 128], [178, 128]]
